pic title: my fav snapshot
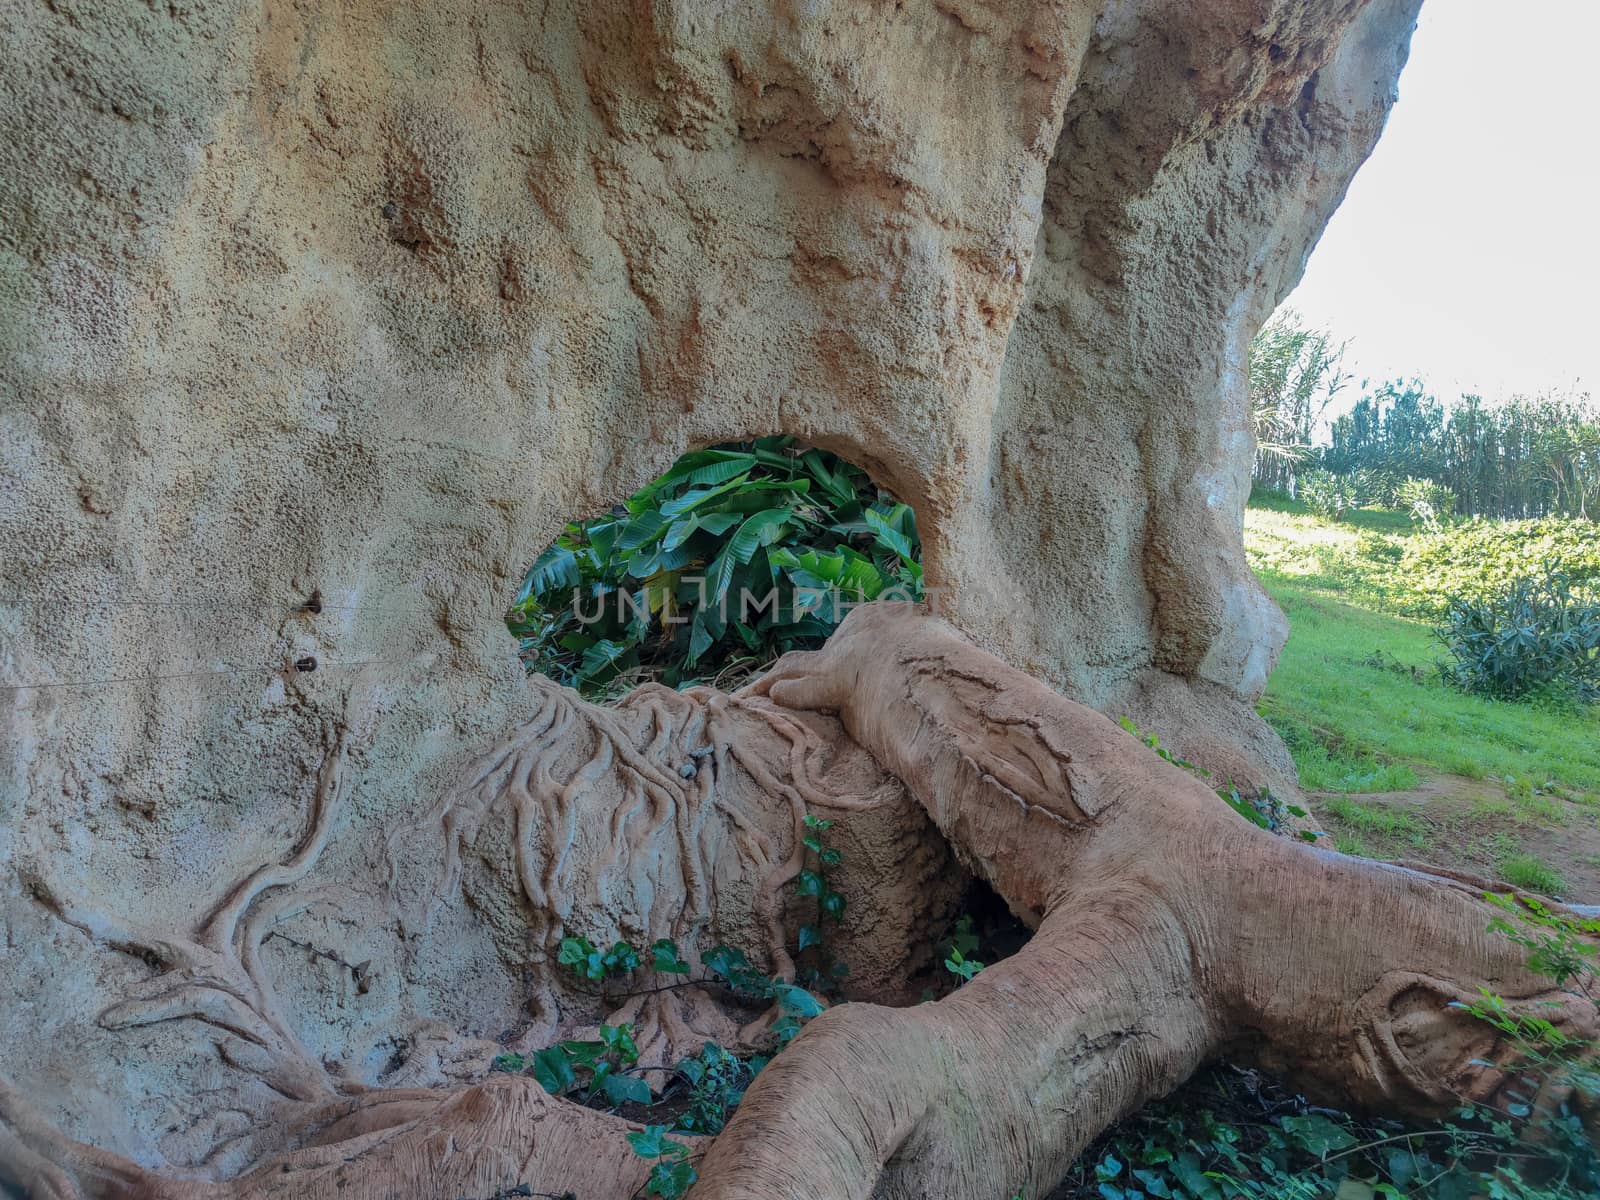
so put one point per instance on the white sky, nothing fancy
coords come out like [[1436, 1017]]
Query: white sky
[[1466, 252]]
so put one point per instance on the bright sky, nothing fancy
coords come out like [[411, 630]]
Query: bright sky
[[1467, 251]]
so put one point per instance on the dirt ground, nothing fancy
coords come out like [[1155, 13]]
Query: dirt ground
[[1476, 826]]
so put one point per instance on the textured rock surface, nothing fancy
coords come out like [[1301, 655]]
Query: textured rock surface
[[1348, 976], [363, 300]]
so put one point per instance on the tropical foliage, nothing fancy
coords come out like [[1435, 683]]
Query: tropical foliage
[[1527, 457], [1534, 639], [1294, 375], [737, 554]]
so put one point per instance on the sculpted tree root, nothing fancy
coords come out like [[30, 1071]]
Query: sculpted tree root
[[1167, 931]]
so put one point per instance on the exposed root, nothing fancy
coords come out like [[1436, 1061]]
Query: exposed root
[[215, 974], [1167, 930]]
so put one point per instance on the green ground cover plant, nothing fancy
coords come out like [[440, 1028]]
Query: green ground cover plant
[[1336, 696], [1357, 694], [701, 1092], [1388, 560], [1235, 1134]]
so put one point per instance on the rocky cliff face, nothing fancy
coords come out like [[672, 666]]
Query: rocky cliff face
[[357, 303]]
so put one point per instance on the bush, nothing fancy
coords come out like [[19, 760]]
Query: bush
[[1326, 494], [1378, 548], [1534, 639], [1425, 500], [1374, 486], [1473, 559], [734, 556]]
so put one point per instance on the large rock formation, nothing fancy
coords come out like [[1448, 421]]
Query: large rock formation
[[683, 815], [355, 304]]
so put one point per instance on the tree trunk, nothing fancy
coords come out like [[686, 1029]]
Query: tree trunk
[[1167, 929]]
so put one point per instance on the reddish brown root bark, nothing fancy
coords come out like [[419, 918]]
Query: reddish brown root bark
[[1167, 930]]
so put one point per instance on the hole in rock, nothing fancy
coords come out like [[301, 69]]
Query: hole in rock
[[739, 553], [981, 932]]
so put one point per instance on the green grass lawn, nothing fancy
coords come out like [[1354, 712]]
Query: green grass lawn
[[1355, 694]]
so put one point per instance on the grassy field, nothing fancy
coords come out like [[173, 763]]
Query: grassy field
[[1484, 784]]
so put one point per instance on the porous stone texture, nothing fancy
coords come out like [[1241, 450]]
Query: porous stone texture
[[362, 301]]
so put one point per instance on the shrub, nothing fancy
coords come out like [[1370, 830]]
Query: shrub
[[1378, 548], [1473, 559], [1536, 638], [734, 556], [1326, 494], [1425, 500], [1372, 485]]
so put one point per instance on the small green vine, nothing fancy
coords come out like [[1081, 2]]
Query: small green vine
[[710, 1085], [1263, 809]]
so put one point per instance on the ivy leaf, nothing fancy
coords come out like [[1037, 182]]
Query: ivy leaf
[[664, 957], [584, 1054], [621, 958], [726, 963], [809, 883], [1186, 1166], [1244, 808], [553, 1069], [671, 1181], [810, 936], [621, 1089], [618, 1040], [833, 905], [652, 1142], [1317, 1135], [1153, 1184], [574, 951], [797, 1002]]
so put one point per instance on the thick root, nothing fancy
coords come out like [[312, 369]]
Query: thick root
[[1167, 930]]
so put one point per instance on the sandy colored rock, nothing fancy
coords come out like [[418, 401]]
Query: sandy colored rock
[[361, 302], [1167, 928]]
